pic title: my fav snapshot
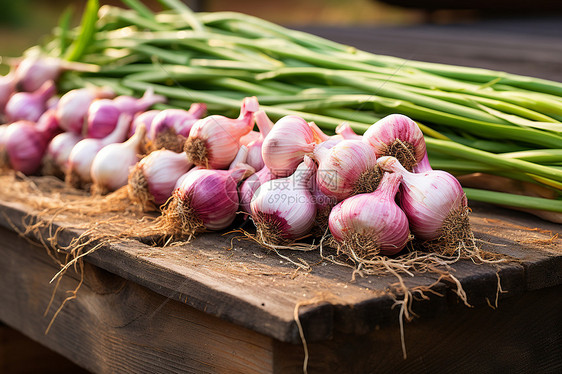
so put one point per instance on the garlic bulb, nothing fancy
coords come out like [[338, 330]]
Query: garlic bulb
[[112, 164], [171, 127], [102, 117], [250, 137], [53, 102], [348, 168], [283, 210], [240, 158], [144, 118], [84, 152], [103, 114], [7, 88], [182, 177], [214, 141], [72, 107], [435, 204], [25, 143], [251, 184], [205, 200], [286, 145], [33, 71], [325, 145], [56, 157], [254, 158], [397, 135], [324, 205], [152, 180], [29, 106], [370, 224]]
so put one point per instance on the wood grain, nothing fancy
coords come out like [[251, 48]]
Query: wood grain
[[118, 326], [242, 283], [521, 336]]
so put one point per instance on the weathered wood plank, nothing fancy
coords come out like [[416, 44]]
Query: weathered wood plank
[[537, 243], [521, 336], [118, 326], [242, 283]]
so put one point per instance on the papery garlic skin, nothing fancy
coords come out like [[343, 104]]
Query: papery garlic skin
[[319, 135], [423, 165], [324, 205], [33, 71], [251, 184], [348, 168], [29, 106], [171, 127], [255, 158], [250, 137], [399, 136], [370, 224], [25, 143], [344, 129], [205, 200], [24, 147], [7, 88], [286, 145], [428, 198], [144, 118], [179, 120], [283, 209], [240, 157], [83, 154], [182, 177], [215, 197], [80, 162], [56, 157], [72, 107], [159, 173], [111, 165], [214, 141], [48, 125], [102, 117], [103, 114]]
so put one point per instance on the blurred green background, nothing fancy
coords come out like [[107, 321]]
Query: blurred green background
[[24, 22]]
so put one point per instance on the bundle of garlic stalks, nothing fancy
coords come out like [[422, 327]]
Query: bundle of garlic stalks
[[473, 120]]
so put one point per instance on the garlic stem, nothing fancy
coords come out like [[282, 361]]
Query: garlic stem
[[319, 135], [263, 122]]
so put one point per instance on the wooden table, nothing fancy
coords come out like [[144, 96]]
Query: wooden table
[[220, 304]]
